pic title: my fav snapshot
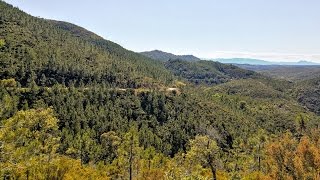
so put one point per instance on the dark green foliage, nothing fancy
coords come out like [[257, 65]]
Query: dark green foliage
[[208, 72], [163, 56], [165, 122], [65, 53], [257, 88], [308, 94]]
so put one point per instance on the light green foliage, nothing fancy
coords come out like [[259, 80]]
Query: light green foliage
[[30, 133], [8, 83], [205, 152], [2, 43], [110, 142], [128, 154], [29, 136]]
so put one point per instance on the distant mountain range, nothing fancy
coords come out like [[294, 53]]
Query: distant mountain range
[[262, 62], [164, 56]]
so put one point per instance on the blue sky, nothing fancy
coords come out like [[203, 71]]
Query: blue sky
[[278, 30]]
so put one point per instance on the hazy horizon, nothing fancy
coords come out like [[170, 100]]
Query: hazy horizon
[[272, 30]]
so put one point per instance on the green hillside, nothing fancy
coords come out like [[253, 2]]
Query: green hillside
[[76, 106], [291, 73], [60, 52], [308, 94], [164, 56], [208, 72]]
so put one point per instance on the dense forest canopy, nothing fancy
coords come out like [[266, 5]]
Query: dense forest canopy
[[59, 52], [76, 106], [164, 56], [208, 72]]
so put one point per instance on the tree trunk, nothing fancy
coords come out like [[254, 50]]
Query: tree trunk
[[81, 153], [130, 158], [214, 172], [27, 174], [259, 159], [213, 169]]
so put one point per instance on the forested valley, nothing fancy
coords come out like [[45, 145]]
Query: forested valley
[[76, 106]]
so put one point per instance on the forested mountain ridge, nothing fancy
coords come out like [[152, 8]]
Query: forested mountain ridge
[[286, 72], [53, 52], [75, 106], [64, 53], [308, 94], [301, 82], [208, 72], [94, 39], [164, 56]]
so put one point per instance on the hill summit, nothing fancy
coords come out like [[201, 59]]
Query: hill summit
[[164, 56]]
